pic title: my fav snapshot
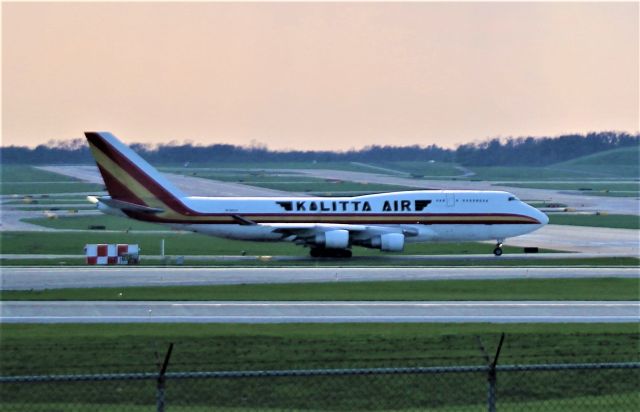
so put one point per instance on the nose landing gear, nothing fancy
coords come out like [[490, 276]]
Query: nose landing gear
[[498, 250]]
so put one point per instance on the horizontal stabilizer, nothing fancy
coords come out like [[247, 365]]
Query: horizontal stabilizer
[[130, 207]]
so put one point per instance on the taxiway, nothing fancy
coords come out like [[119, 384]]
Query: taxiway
[[317, 312], [37, 278]]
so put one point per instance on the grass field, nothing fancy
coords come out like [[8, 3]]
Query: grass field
[[94, 348], [612, 221], [60, 349], [180, 243], [623, 162], [624, 402], [520, 289], [110, 222], [514, 173], [31, 201], [53, 208], [25, 174], [38, 188], [22, 180]]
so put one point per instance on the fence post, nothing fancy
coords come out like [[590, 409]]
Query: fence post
[[492, 377], [161, 381]]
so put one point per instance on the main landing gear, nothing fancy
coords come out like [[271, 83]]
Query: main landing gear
[[498, 250], [334, 253]]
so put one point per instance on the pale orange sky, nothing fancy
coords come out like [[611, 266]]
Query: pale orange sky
[[317, 75]]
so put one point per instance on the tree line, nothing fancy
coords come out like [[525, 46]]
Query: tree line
[[522, 151]]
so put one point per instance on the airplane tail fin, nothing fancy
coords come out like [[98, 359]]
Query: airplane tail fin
[[128, 177]]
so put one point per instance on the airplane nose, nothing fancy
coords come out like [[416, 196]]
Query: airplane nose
[[542, 218]]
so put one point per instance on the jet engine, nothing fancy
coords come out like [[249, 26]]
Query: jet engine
[[333, 239], [389, 242], [392, 242]]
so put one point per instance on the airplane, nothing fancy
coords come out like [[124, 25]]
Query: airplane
[[329, 226]]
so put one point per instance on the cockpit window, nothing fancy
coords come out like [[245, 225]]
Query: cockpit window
[[512, 198]]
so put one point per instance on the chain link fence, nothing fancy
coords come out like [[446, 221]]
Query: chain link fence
[[550, 387]]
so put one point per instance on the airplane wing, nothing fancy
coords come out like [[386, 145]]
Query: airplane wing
[[305, 233]]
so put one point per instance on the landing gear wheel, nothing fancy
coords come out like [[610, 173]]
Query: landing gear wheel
[[343, 253], [497, 251], [335, 253]]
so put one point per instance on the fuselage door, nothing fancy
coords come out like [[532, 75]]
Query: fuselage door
[[451, 199]]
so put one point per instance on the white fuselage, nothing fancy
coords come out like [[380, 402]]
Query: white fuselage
[[423, 215]]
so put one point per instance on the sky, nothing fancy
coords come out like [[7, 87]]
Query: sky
[[331, 76]]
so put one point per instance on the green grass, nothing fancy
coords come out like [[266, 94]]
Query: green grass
[[181, 394], [612, 221], [496, 173], [25, 174], [64, 349], [37, 188], [29, 201], [507, 289], [53, 208], [617, 163], [180, 243], [84, 222], [69, 348], [627, 156], [22, 180]]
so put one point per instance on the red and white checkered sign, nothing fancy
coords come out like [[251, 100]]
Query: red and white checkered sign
[[109, 254]]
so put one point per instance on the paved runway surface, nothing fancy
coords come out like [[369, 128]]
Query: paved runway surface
[[19, 278], [581, 239], [313, 312]]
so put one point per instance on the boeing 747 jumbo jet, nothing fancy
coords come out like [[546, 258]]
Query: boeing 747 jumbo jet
[[329, 226]]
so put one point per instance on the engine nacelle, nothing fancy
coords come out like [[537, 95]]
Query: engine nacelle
[[333, 239], [392, 242]]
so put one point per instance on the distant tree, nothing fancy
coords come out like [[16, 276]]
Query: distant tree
[[524, 151]]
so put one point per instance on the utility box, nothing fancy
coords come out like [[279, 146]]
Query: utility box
[[112, 254]]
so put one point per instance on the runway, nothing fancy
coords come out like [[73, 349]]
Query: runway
[[317, 312], [37, 278]]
